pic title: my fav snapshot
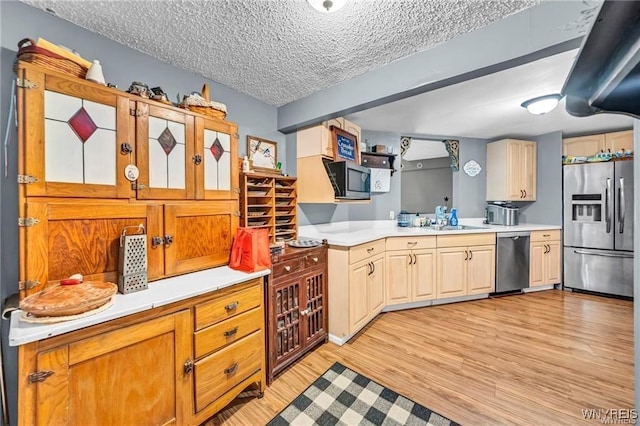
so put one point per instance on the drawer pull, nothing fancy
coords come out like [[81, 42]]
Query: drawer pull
[[412, 243], [546, 235], [231, 369], [287, 268], [231, 332], [369, 250], [232, 306]]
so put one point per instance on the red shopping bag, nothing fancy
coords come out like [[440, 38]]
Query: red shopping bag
[[250, 250]]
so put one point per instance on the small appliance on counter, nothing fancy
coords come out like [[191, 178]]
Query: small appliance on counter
[[501, 214]]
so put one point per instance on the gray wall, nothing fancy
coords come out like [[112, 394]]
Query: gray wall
[[121, 65], [424, 188], [468, 192], [547, 209]]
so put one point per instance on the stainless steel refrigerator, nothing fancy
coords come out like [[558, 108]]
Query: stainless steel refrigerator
[[598, 227]]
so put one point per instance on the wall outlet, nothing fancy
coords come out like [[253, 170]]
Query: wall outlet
[[392, 214]]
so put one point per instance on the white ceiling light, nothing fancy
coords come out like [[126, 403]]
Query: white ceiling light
[[327, 5], [542, 104]]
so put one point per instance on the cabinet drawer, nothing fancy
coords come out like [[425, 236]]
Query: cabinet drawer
[[286, 268], [549, 235], [364, 251], [315, 259], [221, 371], [227, 331], [463, 240], [227, 306], [410, 243]]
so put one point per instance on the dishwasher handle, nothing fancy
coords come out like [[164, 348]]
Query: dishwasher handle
[[513, 234]]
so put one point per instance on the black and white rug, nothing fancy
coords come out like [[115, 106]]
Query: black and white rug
[[343, 397]]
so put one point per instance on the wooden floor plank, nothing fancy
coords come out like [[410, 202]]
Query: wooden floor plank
[[538, 358]]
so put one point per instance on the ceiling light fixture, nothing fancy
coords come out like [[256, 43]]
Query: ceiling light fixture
[[327, 5], [542, 104]]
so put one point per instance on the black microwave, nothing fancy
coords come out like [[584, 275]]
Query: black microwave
[[349, 180]]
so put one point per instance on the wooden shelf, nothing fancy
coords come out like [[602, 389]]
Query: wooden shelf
[[279, 199], [378, 160]]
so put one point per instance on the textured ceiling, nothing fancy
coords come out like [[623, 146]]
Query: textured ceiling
[[281, 50]]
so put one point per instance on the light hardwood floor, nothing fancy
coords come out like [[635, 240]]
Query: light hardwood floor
[[534, 359]]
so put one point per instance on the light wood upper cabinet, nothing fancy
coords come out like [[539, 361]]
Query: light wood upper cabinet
[[618, 141], [583, 145], [115, 367], [511, 170], [70, 137], [314, 146]]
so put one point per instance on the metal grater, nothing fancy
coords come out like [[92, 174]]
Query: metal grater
[[133, 261]]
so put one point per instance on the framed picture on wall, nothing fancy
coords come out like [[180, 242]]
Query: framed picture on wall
[[262, 153], [345, 145]]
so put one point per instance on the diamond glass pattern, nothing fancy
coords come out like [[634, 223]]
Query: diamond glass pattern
[[82, 124], [216, 149], [167, 141]]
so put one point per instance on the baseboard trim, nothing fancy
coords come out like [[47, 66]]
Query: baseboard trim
[[338, 341], [538, 288]]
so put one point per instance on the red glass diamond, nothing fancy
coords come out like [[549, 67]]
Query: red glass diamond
[[167, 141], [82, 124], [216, 149]]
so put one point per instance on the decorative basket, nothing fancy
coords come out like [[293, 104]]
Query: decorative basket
[[29, 52], [209, 111]]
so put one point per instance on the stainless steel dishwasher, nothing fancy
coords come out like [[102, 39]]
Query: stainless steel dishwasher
[[512, 261]]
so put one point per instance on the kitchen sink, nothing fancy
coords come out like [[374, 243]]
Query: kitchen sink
[[454, 228]]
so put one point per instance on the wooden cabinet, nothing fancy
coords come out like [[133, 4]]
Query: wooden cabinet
[[78, 138], [358, 300], [297, 315], [314, 147], [411, 273], [177, 364], [131, 375], [65, 237], [511, 170], [465, 269], [545, 264], [592, 144], [229, 347], [270, 202]]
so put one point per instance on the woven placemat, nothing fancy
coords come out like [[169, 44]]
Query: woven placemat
[[26, 317]]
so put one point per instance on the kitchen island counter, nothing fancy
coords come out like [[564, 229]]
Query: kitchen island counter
[[352, 233]]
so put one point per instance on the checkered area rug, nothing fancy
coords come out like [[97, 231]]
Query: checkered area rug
[[343, 397]]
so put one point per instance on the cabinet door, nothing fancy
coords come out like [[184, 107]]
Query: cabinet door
[[315, 326], [198, 236], [537, 264], [583, 145], [358, 291], [423, 275], [352, 128], [451, 279], [376, 286], [398, 277], [515, 190], [164, 141], [71, 133], [107, 379], [74, 237], [553, 263], [528, 171], [216, 165], [481, 273], [617, 141], [288, 337]]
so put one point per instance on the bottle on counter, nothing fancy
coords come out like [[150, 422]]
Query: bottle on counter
[[245, 164], [453, 219]]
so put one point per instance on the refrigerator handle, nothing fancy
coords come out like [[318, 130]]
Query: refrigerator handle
[[622, 255], [621, 205], [607, 205]]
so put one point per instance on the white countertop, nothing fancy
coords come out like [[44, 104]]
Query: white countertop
[[352, 233], [159, 293]]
